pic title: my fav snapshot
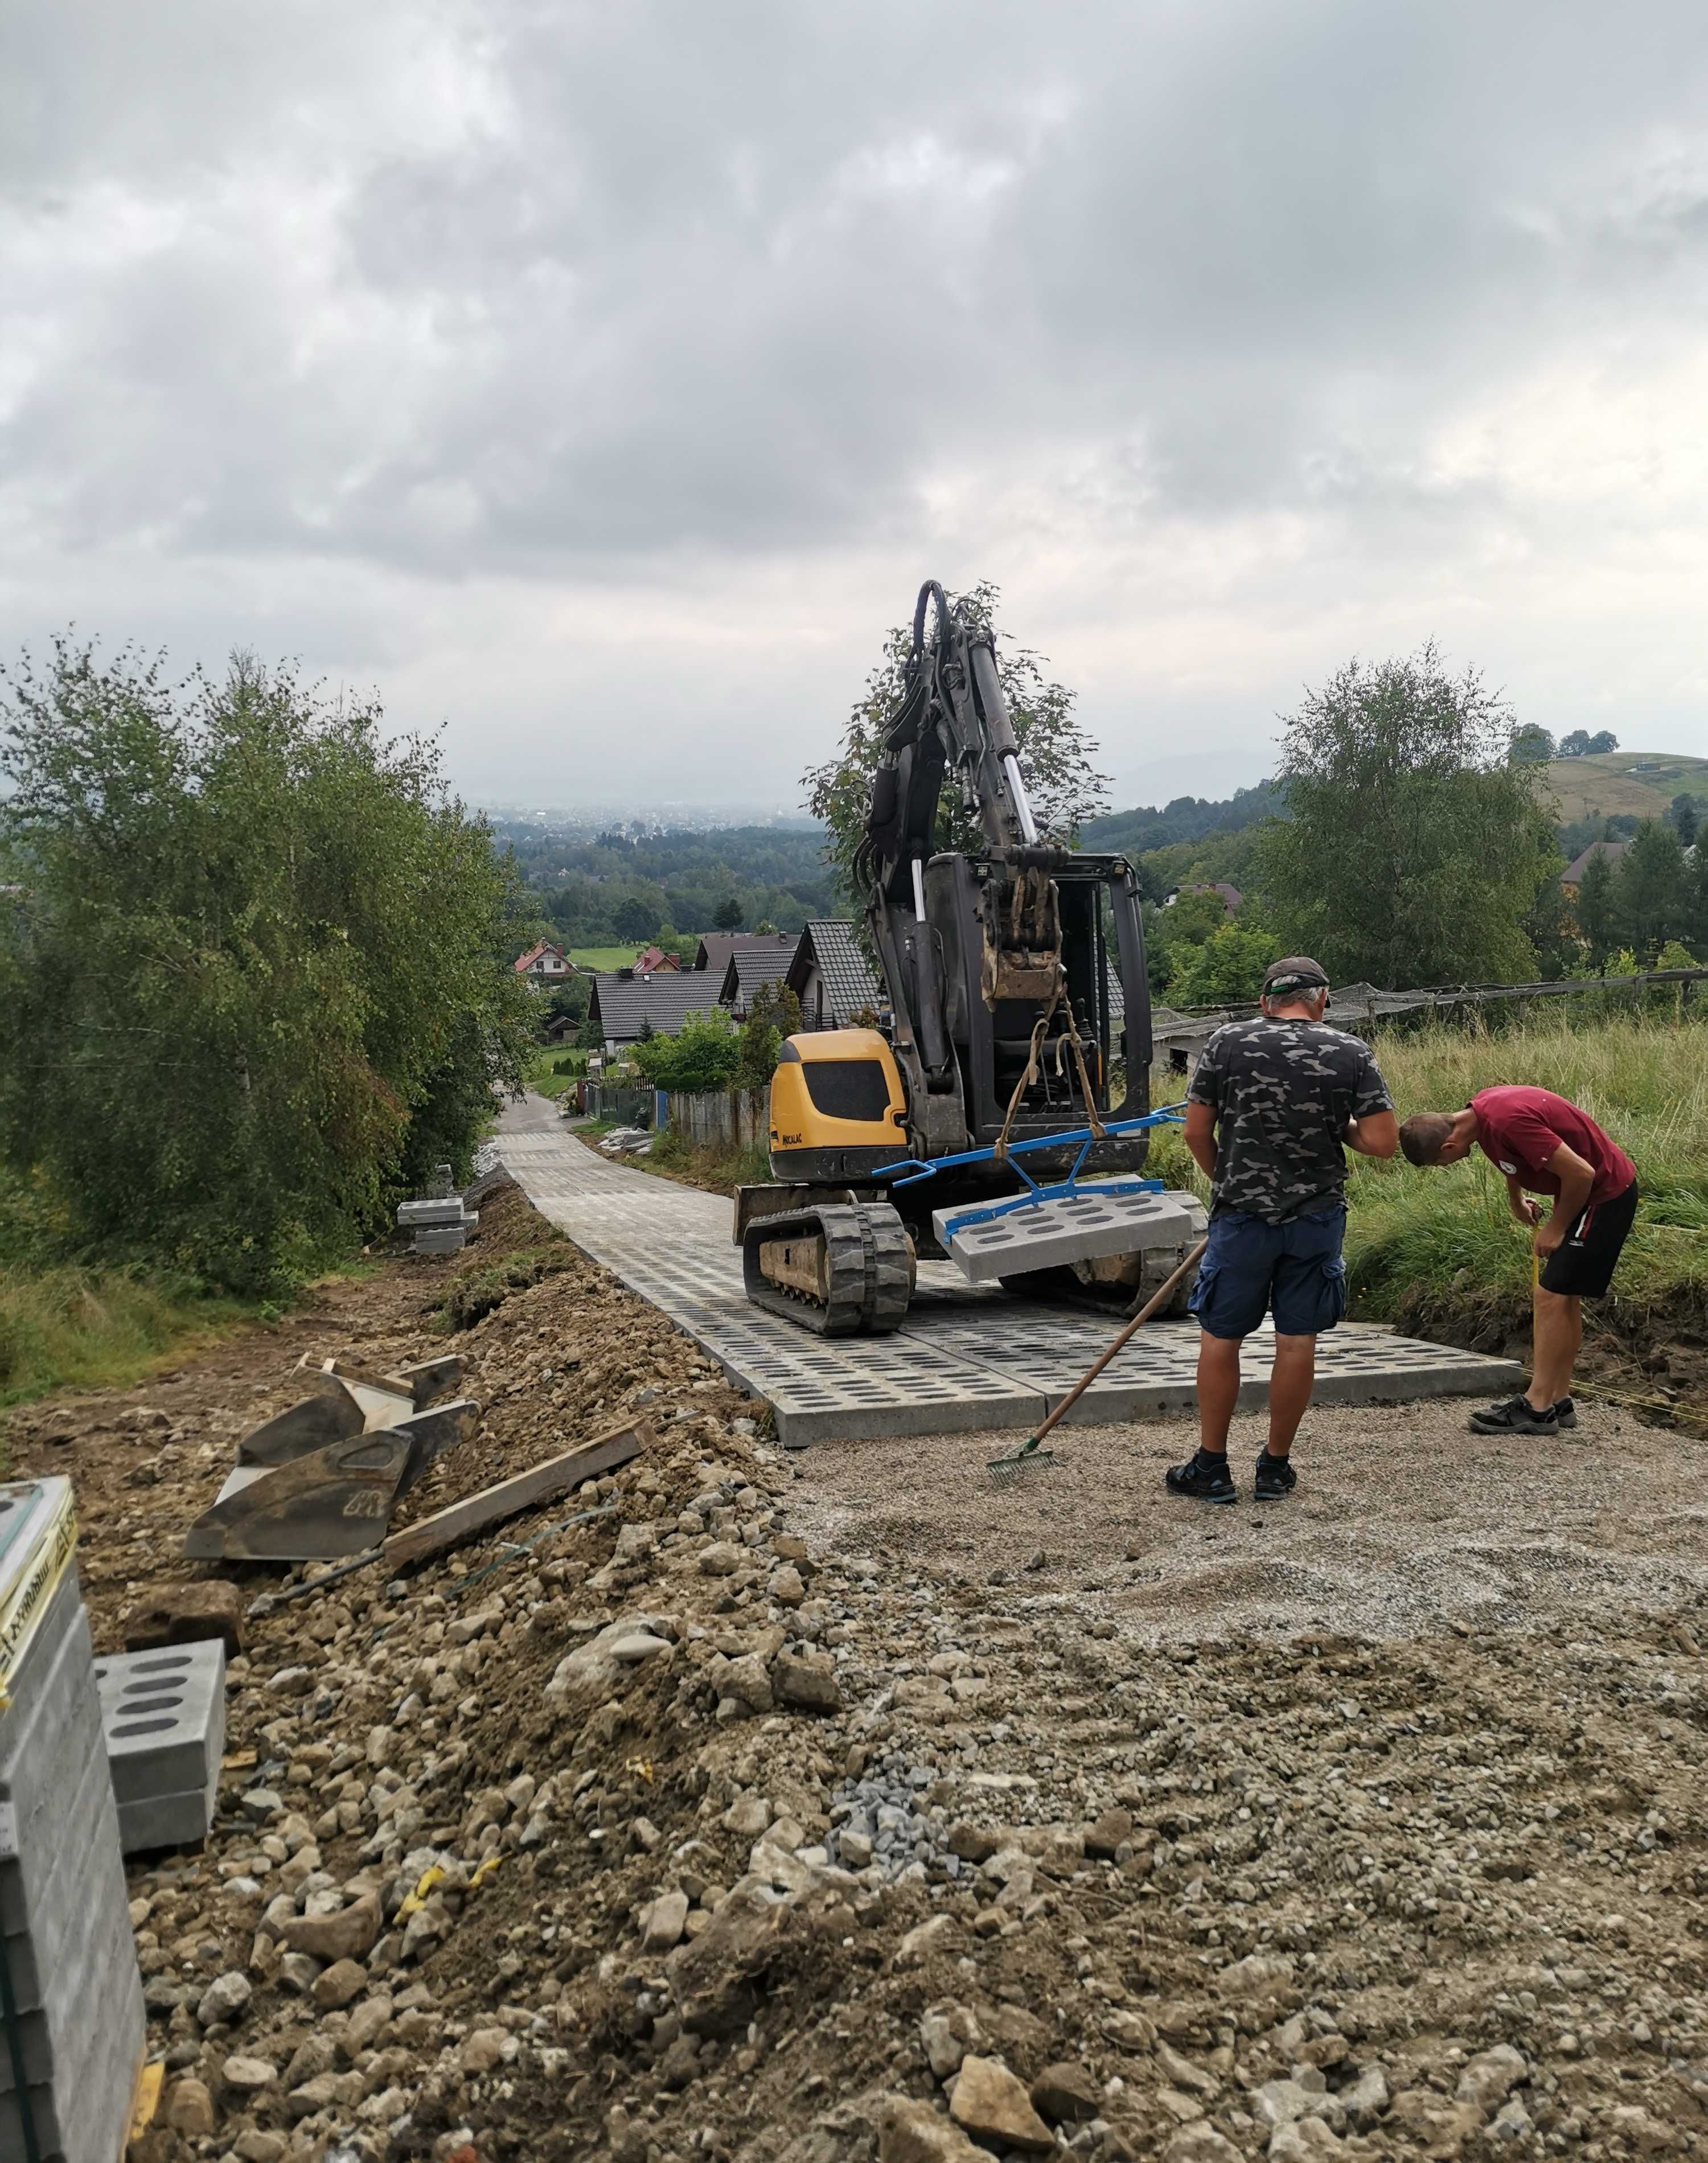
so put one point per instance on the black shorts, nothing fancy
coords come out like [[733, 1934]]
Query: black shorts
[[1581, 1267]]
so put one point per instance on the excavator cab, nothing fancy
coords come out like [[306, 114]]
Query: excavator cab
[[837, 1109]]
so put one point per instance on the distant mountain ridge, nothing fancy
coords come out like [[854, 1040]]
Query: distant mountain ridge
[[1186, 818]]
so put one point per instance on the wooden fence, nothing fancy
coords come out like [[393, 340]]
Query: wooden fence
[[732, 1119]]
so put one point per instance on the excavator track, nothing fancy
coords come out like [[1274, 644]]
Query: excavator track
[[839, 1270]]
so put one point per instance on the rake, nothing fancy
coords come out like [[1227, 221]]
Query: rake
[[1029, 1458]]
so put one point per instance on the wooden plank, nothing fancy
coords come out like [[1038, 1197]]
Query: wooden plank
[[462, 1519]]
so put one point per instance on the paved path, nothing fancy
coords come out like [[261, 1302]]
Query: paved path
[[965, 1357]]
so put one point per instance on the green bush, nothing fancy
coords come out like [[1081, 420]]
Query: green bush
[[703, 1055], [253, 970]]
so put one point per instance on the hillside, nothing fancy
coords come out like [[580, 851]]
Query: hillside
[[1639, 784]]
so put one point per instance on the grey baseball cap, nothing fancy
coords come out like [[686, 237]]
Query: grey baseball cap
[[1294, 972]]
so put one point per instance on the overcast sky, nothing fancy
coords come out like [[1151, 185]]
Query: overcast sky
[[600, 381]]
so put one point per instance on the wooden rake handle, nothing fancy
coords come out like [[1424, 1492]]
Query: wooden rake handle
[[1157, 1299]]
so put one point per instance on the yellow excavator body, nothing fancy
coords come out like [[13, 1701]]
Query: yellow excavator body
[[837, 1108]]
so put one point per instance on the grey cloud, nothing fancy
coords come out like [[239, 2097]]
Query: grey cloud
[[633, 299]]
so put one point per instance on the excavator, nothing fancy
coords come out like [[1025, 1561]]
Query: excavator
[[960, 1125]]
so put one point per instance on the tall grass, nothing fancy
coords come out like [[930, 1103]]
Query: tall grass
[[96, 1328], [1439, 1247]]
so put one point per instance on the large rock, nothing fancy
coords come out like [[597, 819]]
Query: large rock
[[350, 1934], [1367, 2098], [946, 2034], [722, 1558], [1065, 2094], [224, 1998], [190, 2110], [344, 1981], [912, 2132], [663, 1923], [1490, 2077], [1108, 1833], [993, 2105], [933, 1935], [1200, 2143], [807, 1679], [187, 1614], [1306, 2141], [1259, 1974], [716, 1980]]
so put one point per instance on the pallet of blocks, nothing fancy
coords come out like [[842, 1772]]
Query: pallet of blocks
[[71, 2023]]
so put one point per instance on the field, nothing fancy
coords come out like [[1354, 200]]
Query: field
[[542, 1076], [1436, 1252], [604, 958], [1607, 786]]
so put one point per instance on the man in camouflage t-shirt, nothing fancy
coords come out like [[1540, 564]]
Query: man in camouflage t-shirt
[[1273, 1105]]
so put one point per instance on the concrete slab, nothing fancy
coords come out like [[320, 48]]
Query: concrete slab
[[1044, 1235], [163, 1717], [966, 1356]]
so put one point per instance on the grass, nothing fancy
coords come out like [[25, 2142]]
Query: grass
[[543, 1077], [603, 957], [715, 1170], [1604, 783], [99, 1329]]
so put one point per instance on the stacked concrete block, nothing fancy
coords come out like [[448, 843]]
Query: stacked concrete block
[[163, 1715], [441, 1226], [71, 2021]]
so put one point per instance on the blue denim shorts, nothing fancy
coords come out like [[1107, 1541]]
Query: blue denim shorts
[[1250, 1267]]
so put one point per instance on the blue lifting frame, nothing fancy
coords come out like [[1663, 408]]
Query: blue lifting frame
[[1170, 1115]]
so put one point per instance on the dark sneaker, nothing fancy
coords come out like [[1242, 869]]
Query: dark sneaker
[[1276, 1479], [1566, 1413], [1517, 1416], [1206, 1478]]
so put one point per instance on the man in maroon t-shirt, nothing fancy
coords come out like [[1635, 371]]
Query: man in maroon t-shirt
[[1544, 1145]]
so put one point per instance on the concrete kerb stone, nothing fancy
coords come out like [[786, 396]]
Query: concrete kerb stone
[[168, 1820], [163, 1715]]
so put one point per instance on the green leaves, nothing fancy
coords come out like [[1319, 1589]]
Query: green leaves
[[1415, 848], [256, 969], [1055, 757]]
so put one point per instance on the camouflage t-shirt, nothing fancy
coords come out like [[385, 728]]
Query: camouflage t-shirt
[[1282, 1092]]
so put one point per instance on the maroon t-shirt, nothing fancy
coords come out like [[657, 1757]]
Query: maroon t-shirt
[[1519, 1129]]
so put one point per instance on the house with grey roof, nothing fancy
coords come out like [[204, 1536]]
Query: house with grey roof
[[714, 950], [748, 968], [624, 1005], [831, 977]]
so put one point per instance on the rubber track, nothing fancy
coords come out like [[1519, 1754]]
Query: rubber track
[[867, 1250]]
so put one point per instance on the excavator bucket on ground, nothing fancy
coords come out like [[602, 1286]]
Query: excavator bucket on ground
[[319, 1480]]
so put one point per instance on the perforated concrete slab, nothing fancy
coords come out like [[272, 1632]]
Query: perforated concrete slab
[[967, 1356], [163, 1715], [1042, 1235]]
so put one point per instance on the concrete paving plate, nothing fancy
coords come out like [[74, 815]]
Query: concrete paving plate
[[1042, 1235], [966, 1356]]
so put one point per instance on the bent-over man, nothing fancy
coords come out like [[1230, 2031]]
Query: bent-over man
[[1273, 1105], [1543, 1144]]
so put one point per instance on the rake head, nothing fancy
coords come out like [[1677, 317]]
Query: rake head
[[1005, 1471]]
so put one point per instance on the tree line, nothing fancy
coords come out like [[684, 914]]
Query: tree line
[[253, 957]]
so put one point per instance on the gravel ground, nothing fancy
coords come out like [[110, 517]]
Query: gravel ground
[[1403, 1522]]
